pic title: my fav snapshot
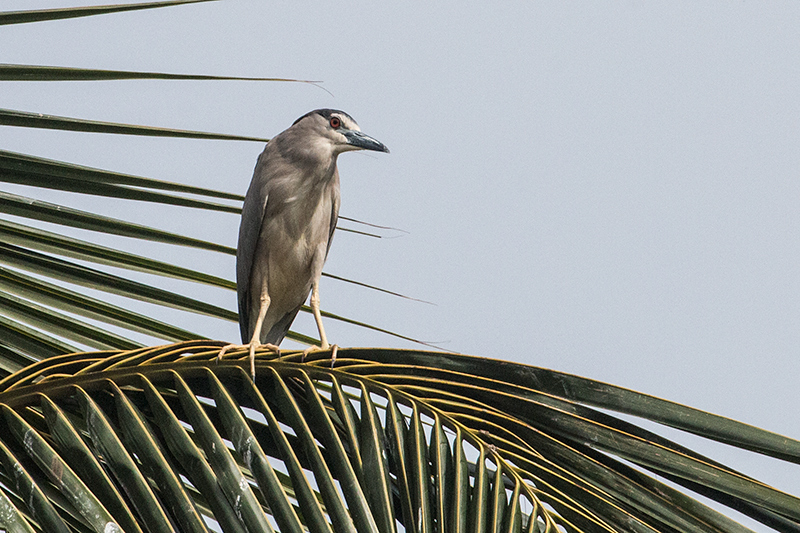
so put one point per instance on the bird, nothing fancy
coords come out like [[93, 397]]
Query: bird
[[288, 219]]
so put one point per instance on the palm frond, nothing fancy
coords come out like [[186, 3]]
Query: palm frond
[[26, 119], [40, 15], [378, 443], [9, 72]]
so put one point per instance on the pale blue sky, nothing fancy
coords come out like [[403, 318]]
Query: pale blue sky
[[607, 188]]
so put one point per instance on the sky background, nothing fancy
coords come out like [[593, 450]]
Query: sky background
[[608, 189]]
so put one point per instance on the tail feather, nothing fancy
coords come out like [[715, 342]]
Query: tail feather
[[244, 319]]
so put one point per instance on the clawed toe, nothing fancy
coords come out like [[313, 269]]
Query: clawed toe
[[251, 347], [311, 349], [228, 348], [334, 351]]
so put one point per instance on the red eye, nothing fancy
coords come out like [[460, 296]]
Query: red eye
[[335, 122]]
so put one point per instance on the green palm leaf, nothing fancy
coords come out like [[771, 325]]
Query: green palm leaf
[[25, 119], [378, 443], [22, 17], [45, 73]]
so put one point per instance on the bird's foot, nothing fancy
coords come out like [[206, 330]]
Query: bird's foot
[[311, 349], [255, 345], [229, 347], [251, 347]]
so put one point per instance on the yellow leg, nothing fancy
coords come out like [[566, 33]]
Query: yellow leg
[[323, 340], [255, 340]]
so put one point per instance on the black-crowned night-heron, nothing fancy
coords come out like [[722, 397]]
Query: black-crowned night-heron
[[288, 218]]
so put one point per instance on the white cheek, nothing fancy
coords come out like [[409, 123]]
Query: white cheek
[[323, 146]]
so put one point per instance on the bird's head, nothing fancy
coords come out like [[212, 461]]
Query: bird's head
[[330, 129]]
